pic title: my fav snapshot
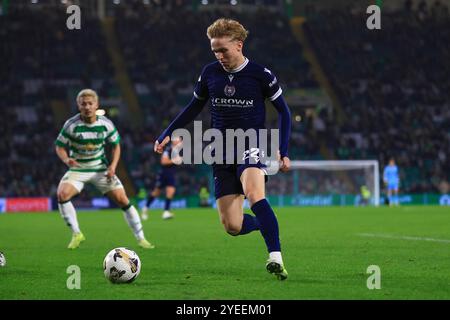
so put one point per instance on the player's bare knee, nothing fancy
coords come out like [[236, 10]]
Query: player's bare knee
[[254, 197], [233, 231], [170, 195], [122, 201], [63, 196], [155, 193]]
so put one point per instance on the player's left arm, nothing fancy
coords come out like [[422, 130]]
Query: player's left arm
[[284, 125], [113, 138], [115, 157], [273, 92]]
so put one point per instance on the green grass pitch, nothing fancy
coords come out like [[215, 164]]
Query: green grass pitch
[[326, 250]]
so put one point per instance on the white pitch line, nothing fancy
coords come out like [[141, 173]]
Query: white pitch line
[[388, 236]]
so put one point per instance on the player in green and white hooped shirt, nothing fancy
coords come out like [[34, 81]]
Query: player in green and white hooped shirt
[[85, 136]]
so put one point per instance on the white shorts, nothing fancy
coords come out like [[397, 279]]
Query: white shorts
[[98, 179]]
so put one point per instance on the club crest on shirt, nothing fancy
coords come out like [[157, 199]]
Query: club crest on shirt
[[229, 90]]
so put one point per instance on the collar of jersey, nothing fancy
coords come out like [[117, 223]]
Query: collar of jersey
[[242, 66], [89, 124]]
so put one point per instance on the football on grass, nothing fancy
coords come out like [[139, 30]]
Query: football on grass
[[121, 265]]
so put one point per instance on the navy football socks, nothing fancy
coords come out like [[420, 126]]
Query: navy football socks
[[249, 224], [150, 201], [167, 204], [268, 224]]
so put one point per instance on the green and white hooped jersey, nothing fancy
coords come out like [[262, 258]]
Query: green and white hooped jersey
[[86, 142]]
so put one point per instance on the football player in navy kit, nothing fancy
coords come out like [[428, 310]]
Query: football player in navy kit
[[237, 89], [165, 180]]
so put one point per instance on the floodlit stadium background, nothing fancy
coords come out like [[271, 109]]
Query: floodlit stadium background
[[354, 93]]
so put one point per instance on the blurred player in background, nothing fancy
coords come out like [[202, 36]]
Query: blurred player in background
[[391, 180], [237, 89], [365, 196], [85, 135], [166, 180]]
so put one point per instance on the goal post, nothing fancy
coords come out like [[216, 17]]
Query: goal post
[[340, 175]]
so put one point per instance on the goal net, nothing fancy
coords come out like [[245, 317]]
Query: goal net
[[329, 182]]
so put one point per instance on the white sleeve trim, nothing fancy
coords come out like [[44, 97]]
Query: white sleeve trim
[[276, 95], [198, 97]]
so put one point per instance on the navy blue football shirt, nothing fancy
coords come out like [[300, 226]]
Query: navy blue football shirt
[[237, 97], [237, 100]]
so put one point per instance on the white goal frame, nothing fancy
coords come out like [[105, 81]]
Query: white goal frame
[[333, 165]]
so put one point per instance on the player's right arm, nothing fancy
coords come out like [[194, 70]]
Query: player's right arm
[[187, 115], [61, 145], [64, 156]]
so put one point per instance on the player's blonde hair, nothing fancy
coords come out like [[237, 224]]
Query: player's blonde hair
[[87, 93], [227, 28]]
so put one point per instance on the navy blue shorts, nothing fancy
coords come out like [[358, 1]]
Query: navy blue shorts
[[227, 178], [165, 179]]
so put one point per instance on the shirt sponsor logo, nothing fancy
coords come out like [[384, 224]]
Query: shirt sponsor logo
[[232, 102], [90, 147]]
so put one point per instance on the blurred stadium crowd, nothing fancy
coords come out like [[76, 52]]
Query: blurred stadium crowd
[[394, 88], [392, 85]]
